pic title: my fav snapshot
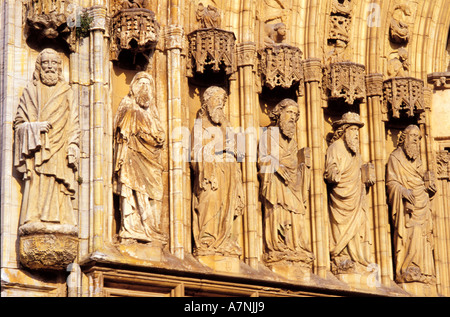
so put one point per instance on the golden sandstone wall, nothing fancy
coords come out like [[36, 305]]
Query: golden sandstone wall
[[352, 56]]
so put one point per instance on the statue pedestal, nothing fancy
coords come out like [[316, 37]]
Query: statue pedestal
[[47, 246], [47, 251], [220, 263], [367, 280], [419, 289], [291, 271], [142, 251]]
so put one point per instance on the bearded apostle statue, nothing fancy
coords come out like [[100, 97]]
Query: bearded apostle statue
[[350, 232], [218, 194], [410, 189], [46, 152], [283, 182], [138, 142]]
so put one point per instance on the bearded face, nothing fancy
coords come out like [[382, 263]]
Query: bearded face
[[411, 146], [49, 69], [287, 121], [351, 138], [142, 95], [215, 109]]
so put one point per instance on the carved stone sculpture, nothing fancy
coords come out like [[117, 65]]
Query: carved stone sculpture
[[350, 232], [218, 196], [210, 46], [398, 28], [135, 33], [399, 66], [346, 80], [409, 190], [284, 184], [275, 33], [138, 141], [48, 21], [209, 16], [340, 20], [46, 152]]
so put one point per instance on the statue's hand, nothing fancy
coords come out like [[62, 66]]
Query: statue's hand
[[73, 154], [408, 195], [44, 126]]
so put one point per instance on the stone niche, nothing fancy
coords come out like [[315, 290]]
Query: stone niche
[[404, 95], [48, 23], [280, 65], [345, 80], [134, 35]]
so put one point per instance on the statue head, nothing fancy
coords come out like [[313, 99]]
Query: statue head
[[48, 69], [409, 141], [348, 128], [213, 102], [142, 89], [286, 114]]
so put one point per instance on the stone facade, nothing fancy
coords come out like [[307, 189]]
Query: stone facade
[[239, 148]]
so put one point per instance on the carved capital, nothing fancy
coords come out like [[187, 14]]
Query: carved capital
[[174, 37], [374, 85], [312, 70], [246, 54], [99, 22]]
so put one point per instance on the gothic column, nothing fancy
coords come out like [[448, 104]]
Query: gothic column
[[374, 86], [313, 75], [98, 126], [246, 59], [177, 212]]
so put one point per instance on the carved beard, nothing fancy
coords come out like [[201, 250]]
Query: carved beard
[[412, 150], [49, 77], [143, 98], [352, 144], [287, 128], [216, 116]]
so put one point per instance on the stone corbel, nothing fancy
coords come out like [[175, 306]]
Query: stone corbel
[[440, 80]]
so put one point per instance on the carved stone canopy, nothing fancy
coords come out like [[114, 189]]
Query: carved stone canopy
[[211, 48], [346, 80], [135, 31], [280, 65], [404, 93], [47, 23]]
